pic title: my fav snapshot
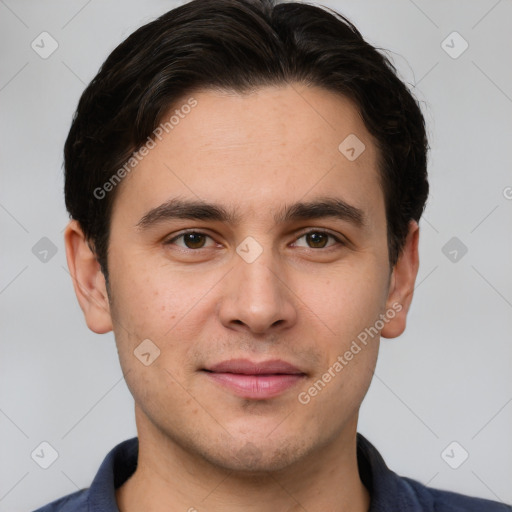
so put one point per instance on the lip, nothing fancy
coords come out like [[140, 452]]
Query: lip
[[255, 380]]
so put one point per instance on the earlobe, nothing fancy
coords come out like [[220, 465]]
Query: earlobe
[[88, 280], [402, 283]]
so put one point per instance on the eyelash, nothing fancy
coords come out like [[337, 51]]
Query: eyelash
[[315, 231]]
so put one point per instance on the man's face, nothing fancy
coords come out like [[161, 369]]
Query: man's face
[[261, 286]]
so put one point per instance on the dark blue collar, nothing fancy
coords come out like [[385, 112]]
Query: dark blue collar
[[389, 492], [121, 463]]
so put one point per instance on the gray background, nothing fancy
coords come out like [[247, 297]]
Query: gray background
[[448, 378]]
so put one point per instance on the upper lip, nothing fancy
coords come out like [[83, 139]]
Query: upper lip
[[247, 367]]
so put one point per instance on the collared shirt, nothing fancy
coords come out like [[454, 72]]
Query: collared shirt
[[389, 492]]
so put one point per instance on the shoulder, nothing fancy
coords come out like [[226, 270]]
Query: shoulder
[[446, 501], [392, 492], [76, 502]]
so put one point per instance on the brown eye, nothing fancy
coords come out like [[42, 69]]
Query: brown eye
[[190, 240], [317, 240], [194, 240]]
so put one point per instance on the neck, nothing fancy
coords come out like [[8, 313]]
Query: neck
[[169, 478]]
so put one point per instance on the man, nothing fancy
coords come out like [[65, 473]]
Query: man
[[245, 182]]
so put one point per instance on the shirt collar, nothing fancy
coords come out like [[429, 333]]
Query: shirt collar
[[119, 465], [388, 491]]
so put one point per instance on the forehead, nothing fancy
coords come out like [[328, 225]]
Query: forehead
[[259, 149], [286, 121]]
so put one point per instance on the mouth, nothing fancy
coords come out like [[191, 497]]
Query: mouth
[[252, 380]]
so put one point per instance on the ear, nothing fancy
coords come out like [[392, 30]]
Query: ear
[[402, 282], [88, 280]]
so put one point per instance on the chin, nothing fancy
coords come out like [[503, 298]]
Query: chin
[[256, 458]]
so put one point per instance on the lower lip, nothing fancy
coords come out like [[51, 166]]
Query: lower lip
[[258, 387]]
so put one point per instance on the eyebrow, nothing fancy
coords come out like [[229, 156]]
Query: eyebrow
[[327, 207]]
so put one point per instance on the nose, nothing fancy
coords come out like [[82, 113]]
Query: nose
[[257, 297]]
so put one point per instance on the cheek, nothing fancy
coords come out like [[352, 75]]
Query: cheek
[[348, 306], [146, 306], [349, 300], [168, 307], [150, 299]]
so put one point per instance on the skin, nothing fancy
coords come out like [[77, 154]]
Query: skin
[[303, 300]]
